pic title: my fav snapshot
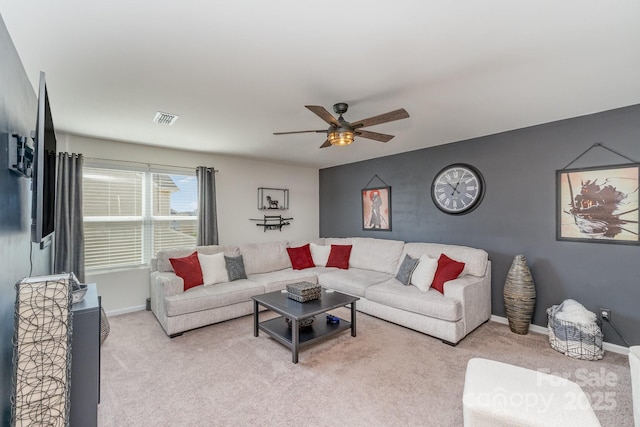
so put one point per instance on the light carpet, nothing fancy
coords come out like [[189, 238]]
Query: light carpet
[[221, 375]]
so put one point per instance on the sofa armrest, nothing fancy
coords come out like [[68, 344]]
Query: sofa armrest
[[167, 284], [163, 284], [474, 294]]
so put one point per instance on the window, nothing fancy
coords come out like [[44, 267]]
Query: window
[[130, 214], [175, 211]]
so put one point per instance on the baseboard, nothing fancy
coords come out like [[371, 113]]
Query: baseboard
[[614, 348], [125, 310]]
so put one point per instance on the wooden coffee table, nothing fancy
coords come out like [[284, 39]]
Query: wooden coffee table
[[293, 337]]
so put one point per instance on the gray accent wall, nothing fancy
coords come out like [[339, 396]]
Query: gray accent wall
[[18, 105], [517, 215]]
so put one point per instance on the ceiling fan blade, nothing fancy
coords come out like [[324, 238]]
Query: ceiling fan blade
[[381, 137], [382, 118], [301, 131], [326, 144], [323, 114]]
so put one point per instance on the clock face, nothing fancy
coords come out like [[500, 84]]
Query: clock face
[[457, 189]]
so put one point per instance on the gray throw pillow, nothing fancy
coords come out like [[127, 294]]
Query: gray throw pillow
[[235, 268], [406, 269]]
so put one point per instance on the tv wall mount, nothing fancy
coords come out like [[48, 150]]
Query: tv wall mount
[[20, 154]]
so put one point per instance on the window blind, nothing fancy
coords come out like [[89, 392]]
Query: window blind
[[129, 215]]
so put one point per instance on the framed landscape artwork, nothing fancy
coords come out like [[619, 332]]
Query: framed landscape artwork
[[598, 204], [376, 208]]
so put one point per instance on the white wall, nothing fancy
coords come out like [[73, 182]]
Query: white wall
[[237, 184]]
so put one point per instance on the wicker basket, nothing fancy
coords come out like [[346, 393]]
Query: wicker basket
[[304, 291], [302, 288], [105, 328], [575, 340], [303, 324], [304, 298]]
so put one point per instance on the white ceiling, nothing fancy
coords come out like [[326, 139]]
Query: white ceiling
[[237, 71]]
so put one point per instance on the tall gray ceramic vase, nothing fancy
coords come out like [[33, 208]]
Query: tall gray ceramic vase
[[519, 296]]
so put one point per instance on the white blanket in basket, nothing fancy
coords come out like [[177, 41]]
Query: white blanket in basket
[[574, 331]]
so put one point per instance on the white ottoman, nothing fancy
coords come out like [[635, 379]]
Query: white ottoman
[[498, 394], [634, 364]]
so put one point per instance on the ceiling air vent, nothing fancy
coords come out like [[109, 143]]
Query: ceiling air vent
[[165, 118]]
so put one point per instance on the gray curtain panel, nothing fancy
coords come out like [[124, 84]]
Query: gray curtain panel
[[69, 237], [207, 217]]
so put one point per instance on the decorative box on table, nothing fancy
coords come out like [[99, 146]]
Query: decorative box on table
[[303, 291]]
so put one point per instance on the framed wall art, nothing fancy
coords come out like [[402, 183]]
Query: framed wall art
[[273, 198], [376, 208], [598, 204]]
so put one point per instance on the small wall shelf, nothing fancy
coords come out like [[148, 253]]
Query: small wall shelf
[[272, 222], [273, 199]]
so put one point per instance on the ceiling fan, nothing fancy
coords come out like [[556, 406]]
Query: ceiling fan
[[341, 132]]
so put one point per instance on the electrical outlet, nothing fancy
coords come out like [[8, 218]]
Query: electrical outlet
[[604, 314]]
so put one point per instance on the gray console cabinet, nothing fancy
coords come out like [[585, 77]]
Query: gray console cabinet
[[85, 360]]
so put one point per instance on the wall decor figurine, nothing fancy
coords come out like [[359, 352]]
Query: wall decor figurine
[[273, 204], [598, 204]]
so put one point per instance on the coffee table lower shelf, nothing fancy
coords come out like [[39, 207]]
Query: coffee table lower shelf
[[321, 329], [293, 337]]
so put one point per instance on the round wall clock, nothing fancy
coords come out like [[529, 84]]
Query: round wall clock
[[457, 189]]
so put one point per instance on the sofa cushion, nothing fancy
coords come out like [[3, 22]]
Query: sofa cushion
[[353, 281], [320, 254], [339, 256], [425, 271], [376, 254], [448, 269], [162, 257], [214, 269], [265, 257], [208, 297], [278, 280], [337, 241], [406, 270], [296, 243], [430, 303], [188, 269], [301, 257], [235, 268], [475, 260]]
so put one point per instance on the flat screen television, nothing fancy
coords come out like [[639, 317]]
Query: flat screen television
[[44, 171]]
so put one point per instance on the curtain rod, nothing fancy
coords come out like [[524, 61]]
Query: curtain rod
[[149, 165]]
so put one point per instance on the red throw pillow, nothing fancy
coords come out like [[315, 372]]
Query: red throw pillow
[[339, 256], [448, 269], [301, 257], [189, 269]]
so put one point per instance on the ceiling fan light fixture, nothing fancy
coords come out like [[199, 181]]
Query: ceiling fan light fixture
[[341, 132], [341, 138]]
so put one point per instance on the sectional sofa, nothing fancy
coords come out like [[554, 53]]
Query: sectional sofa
[[373, 265]]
